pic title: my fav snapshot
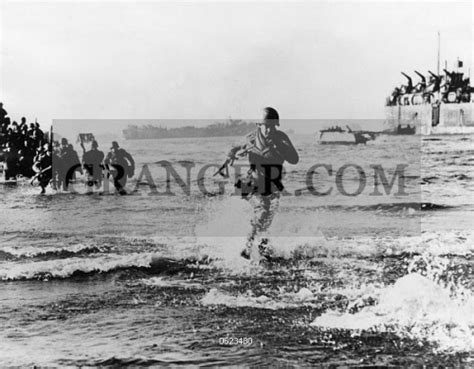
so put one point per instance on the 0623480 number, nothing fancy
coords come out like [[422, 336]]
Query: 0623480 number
[[228, 341]]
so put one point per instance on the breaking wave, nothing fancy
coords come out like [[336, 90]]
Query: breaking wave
[[389, 207], [64, 268], [420, 305], [148, 263], [15, 253], [303, 297]]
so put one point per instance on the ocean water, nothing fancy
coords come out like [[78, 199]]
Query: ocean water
[[147, 279]]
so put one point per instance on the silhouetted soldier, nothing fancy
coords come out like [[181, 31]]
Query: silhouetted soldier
[[38, 135], [60, 164], [121, 165], [25, 163], [71, 164], [11, 161], [92, 163], [44, 167]]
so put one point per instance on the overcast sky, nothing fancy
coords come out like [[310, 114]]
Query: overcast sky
[[215, 60]]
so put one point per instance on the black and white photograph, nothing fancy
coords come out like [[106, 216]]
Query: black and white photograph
[[236, 183]]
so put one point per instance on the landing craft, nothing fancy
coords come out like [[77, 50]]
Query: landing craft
[[438, 112], [441, 103], [344, 136]]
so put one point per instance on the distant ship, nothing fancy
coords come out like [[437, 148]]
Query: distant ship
[[234, 127], [344, 136]]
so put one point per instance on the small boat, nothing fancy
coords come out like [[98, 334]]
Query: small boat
[[344, 136]]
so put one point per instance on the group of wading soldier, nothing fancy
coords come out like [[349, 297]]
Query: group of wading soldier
[[59, 165]]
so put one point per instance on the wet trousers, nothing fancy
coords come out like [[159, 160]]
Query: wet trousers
[[264, 210]]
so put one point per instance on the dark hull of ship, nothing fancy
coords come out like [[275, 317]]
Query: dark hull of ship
[[432, 119]]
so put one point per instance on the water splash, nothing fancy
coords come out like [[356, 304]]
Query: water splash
[[422, 307], [284, 300], [226, 224], [228, 217]]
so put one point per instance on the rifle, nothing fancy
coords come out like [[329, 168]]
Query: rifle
[[37, 175], [229, 161], [222, 167]]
